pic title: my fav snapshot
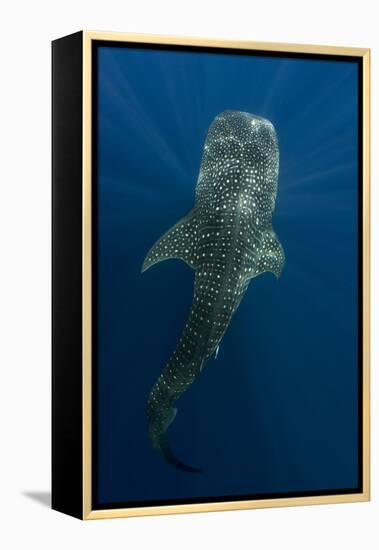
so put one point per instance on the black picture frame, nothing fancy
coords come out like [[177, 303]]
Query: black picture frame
[[74, 274]]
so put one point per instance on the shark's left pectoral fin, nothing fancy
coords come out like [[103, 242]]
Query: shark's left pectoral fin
[[271, 257], [179, 242]]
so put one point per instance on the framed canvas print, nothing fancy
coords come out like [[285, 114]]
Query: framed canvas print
[[210, 275]]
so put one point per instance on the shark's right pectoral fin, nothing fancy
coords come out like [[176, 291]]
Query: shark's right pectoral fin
[[179, 242], [271, 257]]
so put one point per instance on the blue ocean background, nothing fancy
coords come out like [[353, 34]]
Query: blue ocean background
[[276, 412]]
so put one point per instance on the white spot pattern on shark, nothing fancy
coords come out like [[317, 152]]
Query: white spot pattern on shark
[[227, 239]]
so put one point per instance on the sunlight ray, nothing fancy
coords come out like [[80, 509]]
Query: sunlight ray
[[171, 86], [123, 92], [308, 107], [315, 176], [344, 142], [277, 82]]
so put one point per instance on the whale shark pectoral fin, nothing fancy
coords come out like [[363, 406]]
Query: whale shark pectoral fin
[[271, 259], [178, 242]]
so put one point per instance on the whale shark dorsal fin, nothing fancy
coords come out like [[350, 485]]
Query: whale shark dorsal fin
[[178, 242], [271, 257]]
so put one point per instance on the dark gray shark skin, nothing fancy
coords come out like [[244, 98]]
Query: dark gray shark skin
[[227, 239]]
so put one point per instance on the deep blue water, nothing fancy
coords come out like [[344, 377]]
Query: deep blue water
[[277, 410]]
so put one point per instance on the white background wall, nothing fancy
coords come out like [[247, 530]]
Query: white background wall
[[26, 30]]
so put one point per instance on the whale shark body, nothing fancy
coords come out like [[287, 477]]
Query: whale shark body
[[228, 239]]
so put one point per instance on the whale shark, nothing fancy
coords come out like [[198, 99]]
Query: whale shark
[[227, 239]]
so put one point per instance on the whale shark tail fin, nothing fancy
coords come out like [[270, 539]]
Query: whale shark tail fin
[[158, 425], [178, 242], [167, 454]]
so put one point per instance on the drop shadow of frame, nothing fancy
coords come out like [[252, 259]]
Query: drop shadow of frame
[[41, 497]]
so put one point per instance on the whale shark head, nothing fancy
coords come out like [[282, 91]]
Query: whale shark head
[[240, 164]]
